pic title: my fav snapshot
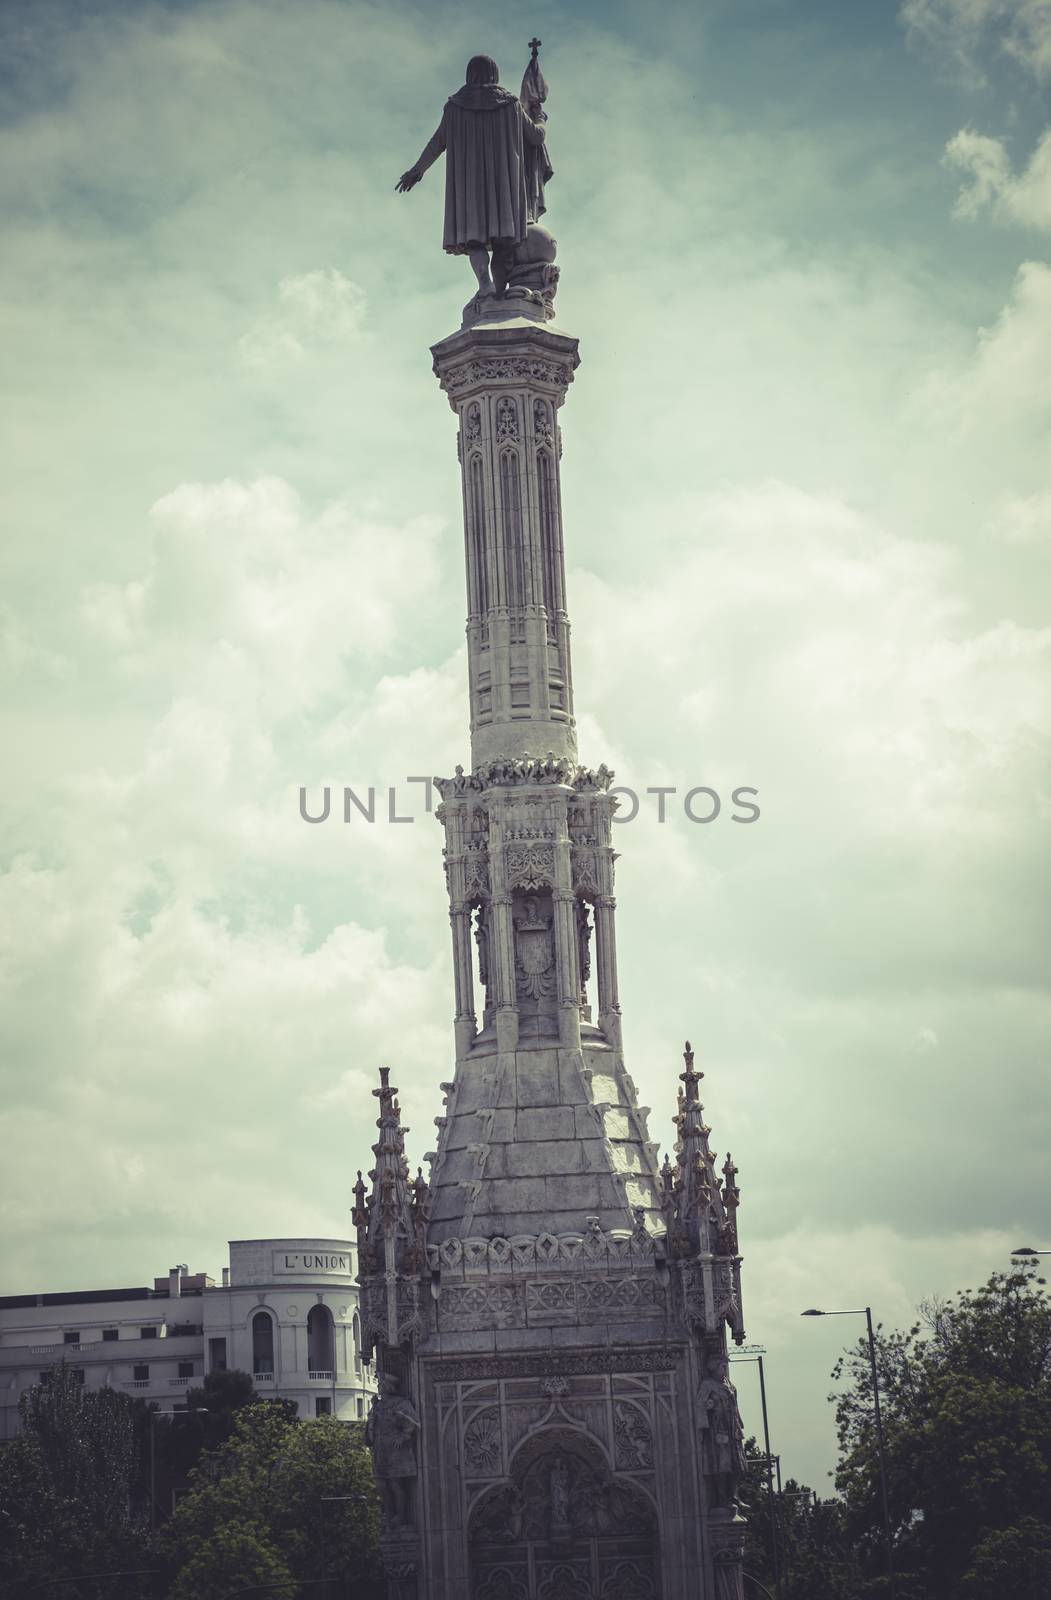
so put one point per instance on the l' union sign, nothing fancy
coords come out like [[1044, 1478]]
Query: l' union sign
[[311, 1263]]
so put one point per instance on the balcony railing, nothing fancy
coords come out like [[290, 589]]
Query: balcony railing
[[262, 1377], [179, 1382], [323, 1377], [139, 1383]]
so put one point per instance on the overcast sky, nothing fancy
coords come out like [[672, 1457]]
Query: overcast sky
[[808, 520]]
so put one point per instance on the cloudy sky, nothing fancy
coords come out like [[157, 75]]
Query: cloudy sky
[[808, 517]]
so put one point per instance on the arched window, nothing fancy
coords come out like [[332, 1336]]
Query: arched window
[[263, 1342], [321, 1343], [356, 1330]]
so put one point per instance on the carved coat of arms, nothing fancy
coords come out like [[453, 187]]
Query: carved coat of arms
[[534, 952]]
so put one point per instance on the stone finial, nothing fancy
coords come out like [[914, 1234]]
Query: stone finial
[[359, 1216]]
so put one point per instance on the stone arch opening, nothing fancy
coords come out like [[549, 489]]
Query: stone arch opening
[[563, 1526], [321, 1342], [263, 1344]]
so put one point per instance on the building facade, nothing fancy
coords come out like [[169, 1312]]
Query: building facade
[[286, 1311], [549, 1310]]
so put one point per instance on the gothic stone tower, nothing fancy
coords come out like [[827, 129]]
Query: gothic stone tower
[[549, 1311]]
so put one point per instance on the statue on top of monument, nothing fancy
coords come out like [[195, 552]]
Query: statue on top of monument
[[496, 166]]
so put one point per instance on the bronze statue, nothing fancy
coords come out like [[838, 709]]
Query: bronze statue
[[495, 169]]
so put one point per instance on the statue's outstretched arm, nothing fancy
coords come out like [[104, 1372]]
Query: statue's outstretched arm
[[533, 132], [428, 156]]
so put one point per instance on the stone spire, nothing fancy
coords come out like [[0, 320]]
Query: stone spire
[[700, 1210], [391, 1229]]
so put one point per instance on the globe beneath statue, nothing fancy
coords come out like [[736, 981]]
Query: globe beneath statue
[[532, 279]]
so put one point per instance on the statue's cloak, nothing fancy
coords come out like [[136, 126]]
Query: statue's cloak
[[483, 132]]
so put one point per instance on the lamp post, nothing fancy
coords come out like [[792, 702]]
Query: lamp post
[[866, 1312], [757, 1352], [153, 1412], [328, 1500]]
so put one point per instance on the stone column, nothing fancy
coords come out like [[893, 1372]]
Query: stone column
[[463, 973], [496, 378], [503, 957], [606, 968], [568, 967]]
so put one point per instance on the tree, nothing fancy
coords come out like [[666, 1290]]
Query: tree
[[815, 1559], [966, 1397], [236, 1555], [168, 1447], [65, 1487], [280, 1496]]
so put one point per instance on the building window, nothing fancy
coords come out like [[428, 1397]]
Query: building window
[[78, 1374], [71, 1336], [262, 1342], [216, 1355], [321, 1343], [148, 1333], [356, 1335], [322, 1406], [361, 1406], [109, 1334], [140, 1372], [185, 1369]]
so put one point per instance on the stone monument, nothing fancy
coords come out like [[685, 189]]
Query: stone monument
[[548, 1311]]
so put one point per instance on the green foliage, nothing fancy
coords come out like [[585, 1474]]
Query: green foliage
[[966, 1397], [295, 1496], [169, 1447], [813, 1553], [236, 1555], [65, 1486]]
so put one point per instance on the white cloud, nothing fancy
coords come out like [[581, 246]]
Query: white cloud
[[250, 595], [1024, 199], [1023, 519], [960, 30], [316, 311]]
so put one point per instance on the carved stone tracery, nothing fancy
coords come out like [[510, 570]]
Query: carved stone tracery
[[564, 1515], [504, 369], [483, 1443], [529, 866], [506, 419]]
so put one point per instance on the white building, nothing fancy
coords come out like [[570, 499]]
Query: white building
[[286, 1312]]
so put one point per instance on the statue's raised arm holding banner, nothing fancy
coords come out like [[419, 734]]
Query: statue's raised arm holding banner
[[496, 168]]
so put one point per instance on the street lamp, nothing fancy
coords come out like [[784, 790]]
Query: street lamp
[[153, 1412], [866, 1312], [758, 1352], [328, 1500]]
